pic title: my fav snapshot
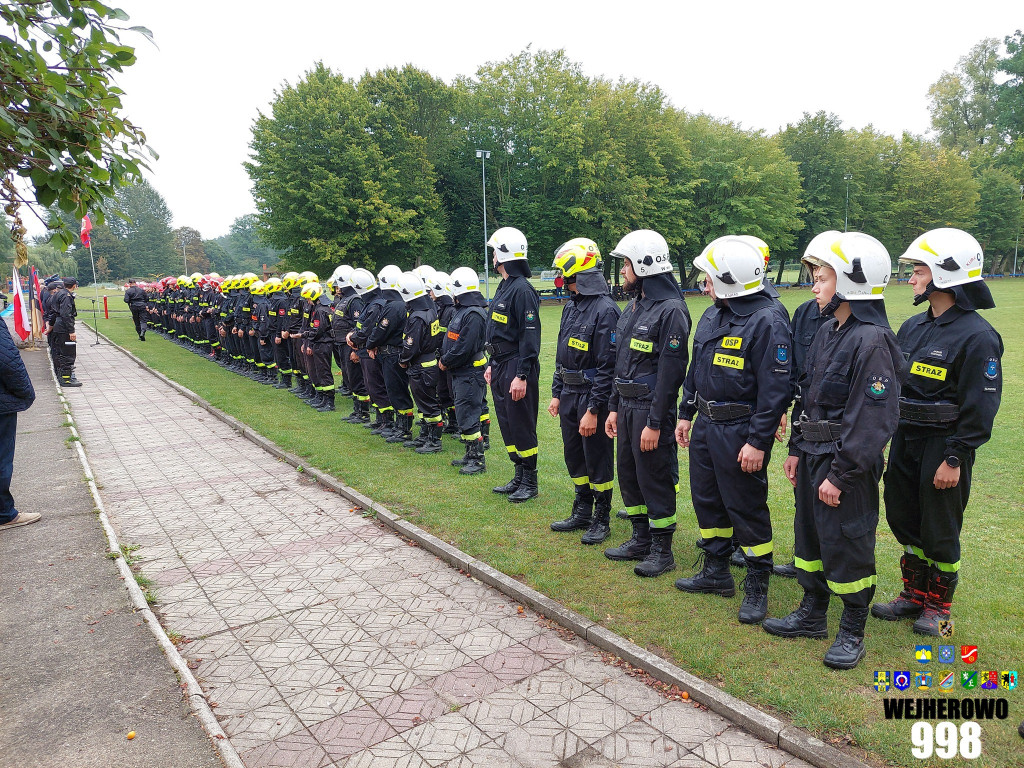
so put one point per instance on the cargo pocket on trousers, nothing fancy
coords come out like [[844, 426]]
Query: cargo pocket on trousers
[[859, 526]]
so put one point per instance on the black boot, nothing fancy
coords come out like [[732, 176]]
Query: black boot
[[433, 442], [737, 559], [941, 586], [402, 430], [387, 424], [638, 545], [599, 527], [296, 387], [659, 560], [848, 648], [375, 420], [714, 577], [755, 595], [527, 486], [420, 439], [622, 514], [316, 401], [485, 433], [68, 380], [344, 391], [461, 461], [910, 602], [328, 403], [451, 425], [785, 570], [808, 620], [285, 381], [360, 412], [475, 463], [512, 485], [582, 512]]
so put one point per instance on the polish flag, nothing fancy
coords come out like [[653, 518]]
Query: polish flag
[[21, 324], [86, 229]]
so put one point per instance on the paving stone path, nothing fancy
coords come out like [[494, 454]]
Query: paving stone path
[[322, 639]]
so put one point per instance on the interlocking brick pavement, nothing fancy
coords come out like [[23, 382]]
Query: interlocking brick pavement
[[321, 639]]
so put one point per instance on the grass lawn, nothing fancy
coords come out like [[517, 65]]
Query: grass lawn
[[698, 632]]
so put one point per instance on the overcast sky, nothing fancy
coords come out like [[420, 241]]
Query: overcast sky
[[217, 63]]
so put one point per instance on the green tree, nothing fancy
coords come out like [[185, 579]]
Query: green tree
[[144, 224], [242, 250], [999, 217], [61, 128], [962, 103], [335, 177], [109, 247], [189, 253]]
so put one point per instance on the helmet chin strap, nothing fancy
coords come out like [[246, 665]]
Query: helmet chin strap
[[924, 296], [833, 304]]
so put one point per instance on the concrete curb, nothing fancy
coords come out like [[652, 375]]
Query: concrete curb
[[196, 698], [766, 727]]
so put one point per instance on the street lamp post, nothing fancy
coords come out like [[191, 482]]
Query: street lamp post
[[484, 154], [846, 221], [1020, 223], [184, 255]]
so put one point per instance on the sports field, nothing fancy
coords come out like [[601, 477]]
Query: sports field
[[698, 632]]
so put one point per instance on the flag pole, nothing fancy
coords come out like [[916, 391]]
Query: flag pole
[[96, 297]]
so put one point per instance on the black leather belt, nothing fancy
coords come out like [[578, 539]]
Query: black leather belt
[[722, 411], [501, 348], [636, 388], [389, 349], [923, 411], [820, 431], [578, 378]]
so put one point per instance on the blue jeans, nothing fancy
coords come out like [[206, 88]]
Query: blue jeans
[[8, 431]]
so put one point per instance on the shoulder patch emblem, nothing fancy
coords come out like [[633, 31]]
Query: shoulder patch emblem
[[991, 368], [673, 342], [781, 353], [530, 315], [384, 322], [878, 387], [409, 340]]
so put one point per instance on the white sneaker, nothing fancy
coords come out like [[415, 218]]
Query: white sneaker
[[23, 518]]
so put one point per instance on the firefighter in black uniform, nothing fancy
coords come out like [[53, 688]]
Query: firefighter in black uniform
[[419, 360], [318, 346], [948, 404], [513, 344], [266, 319], [291, 333], [462, 356], [582, 385], [650, 363], [739, 384], [365, 285], [64, 343], [850, 402], [386, 338], [135, 298], [445, 304], [346, 310], [280, 303]]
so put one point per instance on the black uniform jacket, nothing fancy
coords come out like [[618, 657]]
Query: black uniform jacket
[[63, 311], [389, 329], [853, 376], [368, 317], [513, 327], [586, 342], [342, 317], [463, 345], [135, 297], [422, 332], [741, 354], [954, 358], [651, 342], [318, 329]]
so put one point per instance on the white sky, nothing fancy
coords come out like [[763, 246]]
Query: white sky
[[761, 64]]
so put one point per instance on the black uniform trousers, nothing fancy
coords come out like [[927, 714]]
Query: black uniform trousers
[[728, 501], [445, 391], [590, 461], [423, 383], [647, 481], [283, 355], [374, 377], [252, 349], [517, 420], [351, 373], [319, 365], [396, 380], [139, 318], [64, 352], [266, 349], [211, 332], [299, 367], [925, 520], [470, 391], [834, 547]]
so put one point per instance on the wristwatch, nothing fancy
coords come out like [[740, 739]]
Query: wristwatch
[[592, 410], [521, 376], [953, 461]]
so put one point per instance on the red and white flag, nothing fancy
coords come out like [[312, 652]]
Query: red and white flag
[[86, 229], [21, 324]]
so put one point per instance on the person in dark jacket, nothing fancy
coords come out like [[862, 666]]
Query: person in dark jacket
[[16, 395], [462, 356], [318, 346], [513, 344], [135, 298], [651, 353], [347, 308], [386, 338], [419, 359], [850, 401], [64, 341], [366, 318], [582, 385], [947, 409], [739, 384]]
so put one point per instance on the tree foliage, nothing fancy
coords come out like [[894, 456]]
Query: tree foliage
[[61, 129]]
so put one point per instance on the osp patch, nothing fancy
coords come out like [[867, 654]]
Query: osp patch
[[782, 354], [991, 368], [878, 387]]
